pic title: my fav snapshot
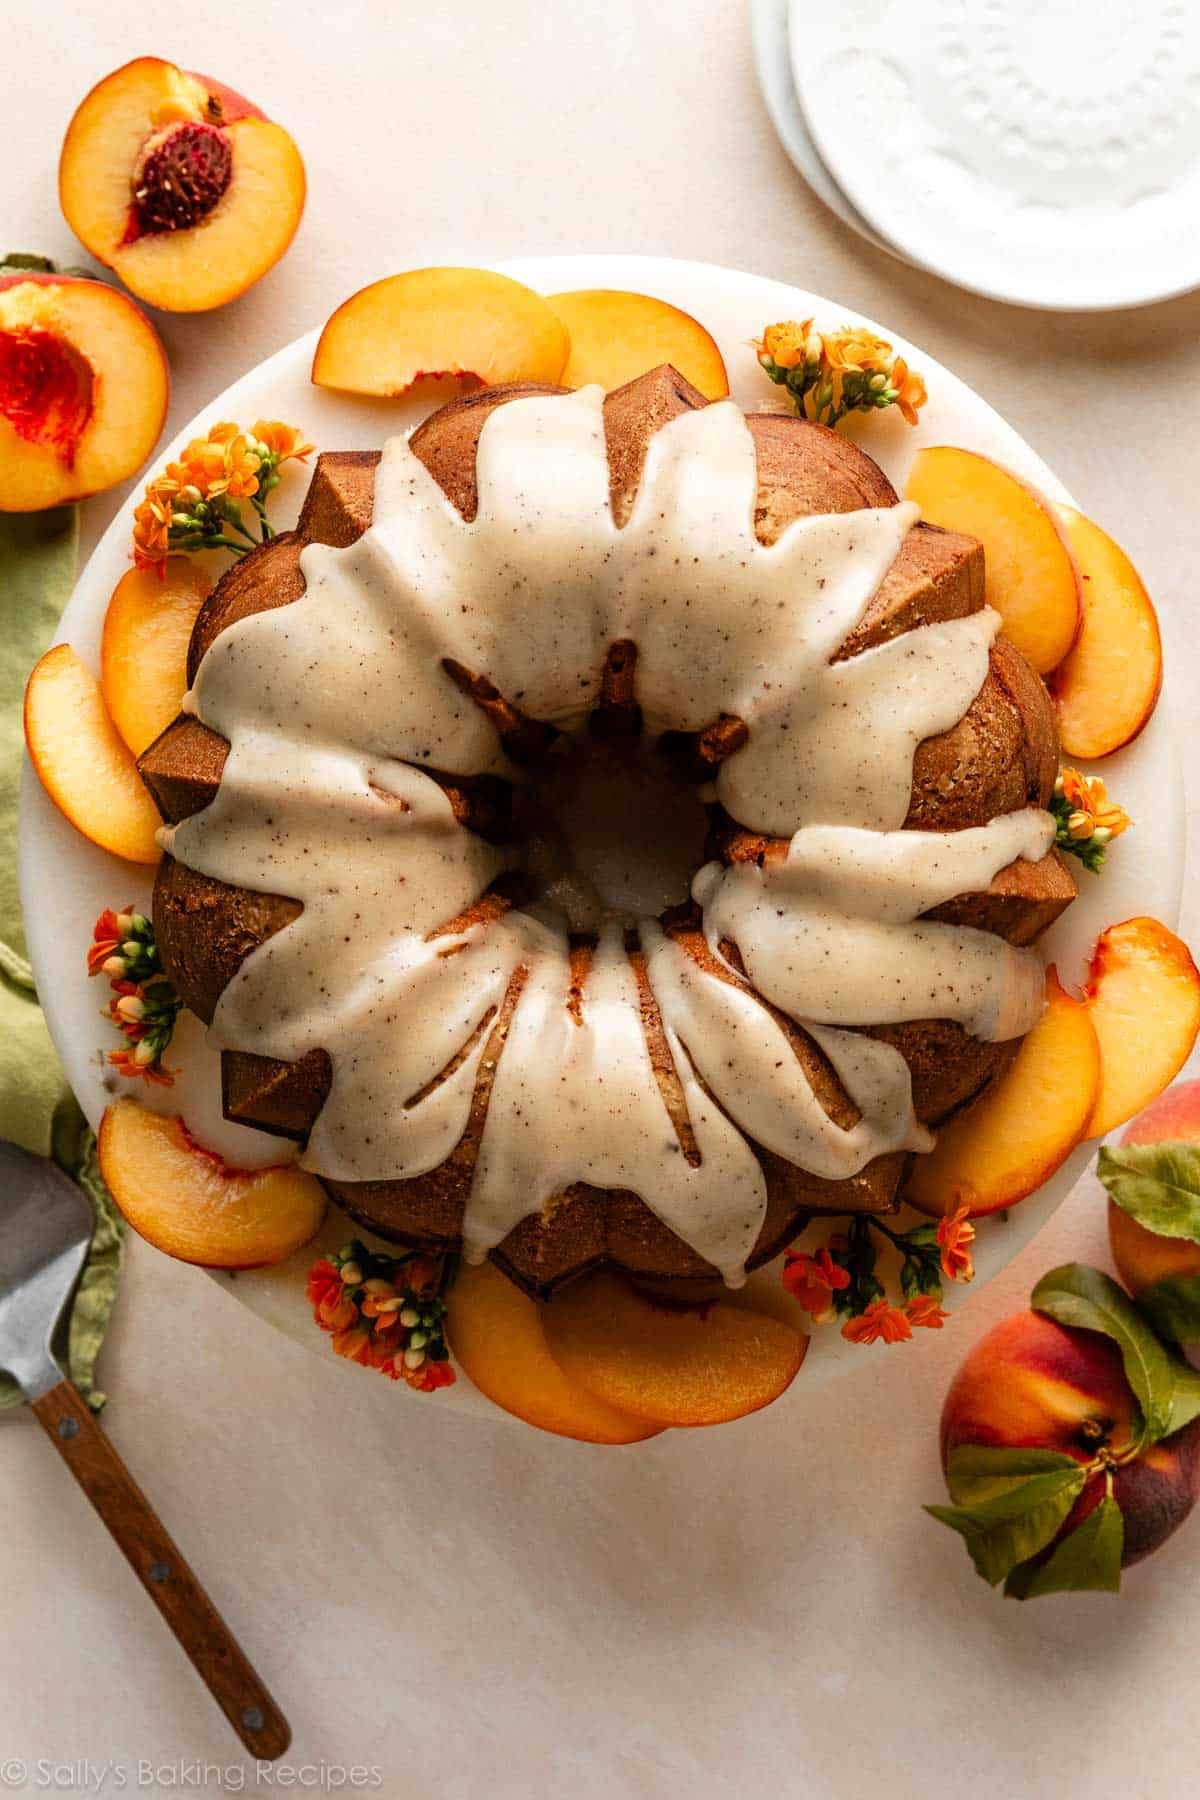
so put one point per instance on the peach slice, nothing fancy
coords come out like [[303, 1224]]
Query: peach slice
[[1143, 995], [616, 337], [1108, 686], [143, 653], [184, 1200], [669, 1363], [1032, 578], [83, 389], [179, 184], [1011, 1140], [495, 1331], [83, 763], [462, 322]]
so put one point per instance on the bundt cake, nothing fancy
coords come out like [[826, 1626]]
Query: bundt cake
[[763, 677]]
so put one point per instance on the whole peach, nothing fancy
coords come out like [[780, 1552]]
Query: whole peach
[[1143, 1257], [1034, 1383]]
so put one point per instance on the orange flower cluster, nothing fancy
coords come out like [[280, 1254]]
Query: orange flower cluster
[[384, 1312], [883, 1322], [192, 503], [144, 1005], [841, 1277], [830, 374]]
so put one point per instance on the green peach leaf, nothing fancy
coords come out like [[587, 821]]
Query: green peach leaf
[[1088, 1559], [1156, 1184], [1173, 1308], [1015, 1524], [1091, 1301], [1185, 1401], [979, 1472]]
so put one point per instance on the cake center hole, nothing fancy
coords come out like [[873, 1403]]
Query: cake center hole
[[611, 831]]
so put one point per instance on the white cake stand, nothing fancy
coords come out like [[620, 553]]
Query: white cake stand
[[67, 881]]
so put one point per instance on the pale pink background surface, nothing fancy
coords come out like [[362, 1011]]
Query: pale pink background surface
[[481, 1611]]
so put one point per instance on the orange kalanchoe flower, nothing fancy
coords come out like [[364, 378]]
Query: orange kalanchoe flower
[[813, 1280], [195, 502], [956, 1234], [881, 1320], [385, 1312], [925, 1309], [1091, 808], [832, 373], [283, 441]]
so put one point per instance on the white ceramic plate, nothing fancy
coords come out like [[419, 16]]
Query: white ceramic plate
[[1038, 151], [66, 881], [770, 28]]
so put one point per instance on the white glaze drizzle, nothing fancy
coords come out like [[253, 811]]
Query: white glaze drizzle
[[333, 703]]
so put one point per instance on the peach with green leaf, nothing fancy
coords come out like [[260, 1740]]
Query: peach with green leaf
[[1153, 1183], [1070, 1439]]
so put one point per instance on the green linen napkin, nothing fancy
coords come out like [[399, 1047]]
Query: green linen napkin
[[37, 1109]]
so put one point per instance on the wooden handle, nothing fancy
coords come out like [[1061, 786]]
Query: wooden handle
[[163, 1572]]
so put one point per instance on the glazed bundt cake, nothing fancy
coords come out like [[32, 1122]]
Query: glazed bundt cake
[[723, 642]]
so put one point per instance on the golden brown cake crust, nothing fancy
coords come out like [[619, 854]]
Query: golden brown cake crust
[[1002, 755]]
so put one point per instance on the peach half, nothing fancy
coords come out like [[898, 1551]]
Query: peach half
[[495, 1331], [186, 1202], [1032, 578], [617, 336], [1107, 687], [82, 761], [83, 389], [666, 1362], [469, 323], [1143, 996], [143, 652], [179, 184], [1024, 1126]]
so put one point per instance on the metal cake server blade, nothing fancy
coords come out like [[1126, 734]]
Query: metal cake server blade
[[45, 1231]]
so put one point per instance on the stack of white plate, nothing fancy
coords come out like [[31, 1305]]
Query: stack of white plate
[[1044, 152]]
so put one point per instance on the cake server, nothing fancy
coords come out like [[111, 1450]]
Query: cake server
[[45, 1230]]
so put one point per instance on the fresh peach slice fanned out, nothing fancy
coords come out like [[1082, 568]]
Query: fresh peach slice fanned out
[[143, 653], [83, 389], [186, 1202], [1023, 1127], [179, 184], [495, 1331], [463, 322], [1143, 994], [667, 1363], [616, 337], [82, 761], [1107, 688], [1032, 578]]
